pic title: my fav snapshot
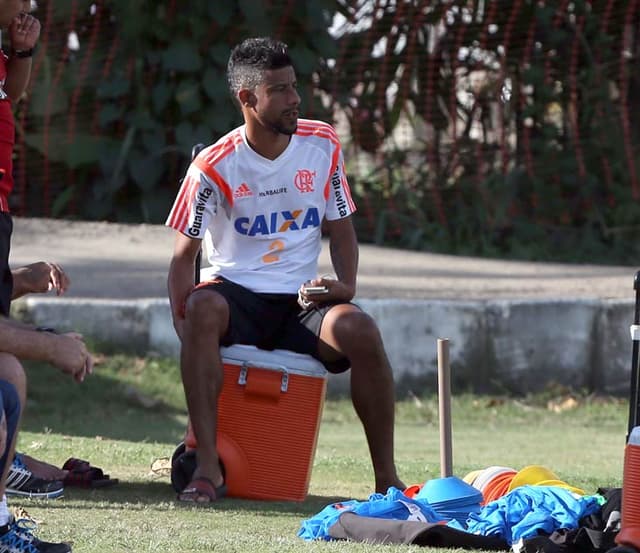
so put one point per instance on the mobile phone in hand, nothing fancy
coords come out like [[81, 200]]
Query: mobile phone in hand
[[313, 290]]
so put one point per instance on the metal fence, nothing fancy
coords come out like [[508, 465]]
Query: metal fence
[[484, 110]]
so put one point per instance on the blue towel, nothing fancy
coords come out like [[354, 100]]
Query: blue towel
[[527, 511], [393, 505]]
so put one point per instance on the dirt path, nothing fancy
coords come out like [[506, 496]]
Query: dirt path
[[107, 260]]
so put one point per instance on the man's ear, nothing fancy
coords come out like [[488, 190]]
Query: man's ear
[[247, 98]]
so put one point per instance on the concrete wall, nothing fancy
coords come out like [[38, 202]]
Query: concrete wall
[[497, 346]]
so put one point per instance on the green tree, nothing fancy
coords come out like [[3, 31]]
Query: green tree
[[108, 128], [525, 108]]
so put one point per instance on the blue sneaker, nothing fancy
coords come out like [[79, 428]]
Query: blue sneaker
[[22, 483], [17, 537]]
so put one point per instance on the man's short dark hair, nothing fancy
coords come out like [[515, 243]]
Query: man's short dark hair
[[251, 58]]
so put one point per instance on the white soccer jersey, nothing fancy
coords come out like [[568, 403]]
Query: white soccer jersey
[[260, 218]]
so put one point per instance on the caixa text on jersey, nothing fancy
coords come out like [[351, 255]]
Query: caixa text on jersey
[[278, 221]]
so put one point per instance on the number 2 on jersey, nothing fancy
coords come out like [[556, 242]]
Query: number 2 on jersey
[[273, 254]]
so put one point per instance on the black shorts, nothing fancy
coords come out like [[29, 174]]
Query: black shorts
[[272, 321], [6, 280]]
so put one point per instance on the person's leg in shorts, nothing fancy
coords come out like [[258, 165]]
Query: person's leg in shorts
[[217, 313], [13, 389], [6, 280], [343, 336]]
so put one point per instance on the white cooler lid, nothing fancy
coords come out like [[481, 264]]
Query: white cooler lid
[[292, 361]]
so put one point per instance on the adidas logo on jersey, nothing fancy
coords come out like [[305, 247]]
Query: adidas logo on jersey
[[243, 191]]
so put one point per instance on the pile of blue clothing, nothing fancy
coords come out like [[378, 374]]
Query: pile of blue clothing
[[394, 505], [524, 512]]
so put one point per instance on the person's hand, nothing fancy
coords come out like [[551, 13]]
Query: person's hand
[[69, 353], [24, 32], [41, 277], [336, 292]]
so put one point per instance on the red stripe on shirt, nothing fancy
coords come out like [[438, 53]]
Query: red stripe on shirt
[[317, 125], [179, 216], [223, 185], [204, 161], [220, 150], [332, 137], [347, 189], [325, 130], [334, 165]]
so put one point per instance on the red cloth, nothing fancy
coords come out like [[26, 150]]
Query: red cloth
[[7, 138]]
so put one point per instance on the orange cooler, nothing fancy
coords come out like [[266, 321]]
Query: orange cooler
[[268, 421]]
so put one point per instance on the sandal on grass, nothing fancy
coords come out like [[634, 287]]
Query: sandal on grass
[[202, 490], [81, 474]]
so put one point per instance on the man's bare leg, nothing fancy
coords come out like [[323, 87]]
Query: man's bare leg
[[354, 334], [206, 317]]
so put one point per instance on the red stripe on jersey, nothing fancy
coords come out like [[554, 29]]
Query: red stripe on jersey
[[215, 177], [323, 131], [347, 190], [317, 132], [178, 216], [216, 154], [320, 126], [320, 129], [204, 162], [326, 192], [183, 204], [334, 165], [330, 138], [218, 151]]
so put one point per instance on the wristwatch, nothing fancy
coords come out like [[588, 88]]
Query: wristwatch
[[22, 53]]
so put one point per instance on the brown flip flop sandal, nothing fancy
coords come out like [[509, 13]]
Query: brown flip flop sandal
[[83, 475], [202, 487]]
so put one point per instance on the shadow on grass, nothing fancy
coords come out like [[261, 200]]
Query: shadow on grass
[[160, 496], [99, 406]]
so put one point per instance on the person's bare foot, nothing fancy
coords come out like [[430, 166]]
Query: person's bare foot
[[43, 470], [202, 490], [382, 486]]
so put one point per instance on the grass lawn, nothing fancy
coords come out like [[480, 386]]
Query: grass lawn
[[131, 412]]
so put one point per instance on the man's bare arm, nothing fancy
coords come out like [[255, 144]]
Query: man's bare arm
[[65, 351], [39, 278], [23, 35], [181, 276], [343, 248]]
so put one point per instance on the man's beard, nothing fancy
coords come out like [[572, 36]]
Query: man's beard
[[281, 128], [281, 125]]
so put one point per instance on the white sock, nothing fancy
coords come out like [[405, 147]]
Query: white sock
[[5, 516]]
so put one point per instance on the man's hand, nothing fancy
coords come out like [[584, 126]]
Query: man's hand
[[69, 353], [24, 32], [39, 278], [336, 292]]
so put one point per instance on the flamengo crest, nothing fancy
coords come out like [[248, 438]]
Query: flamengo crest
[[304, 180]]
